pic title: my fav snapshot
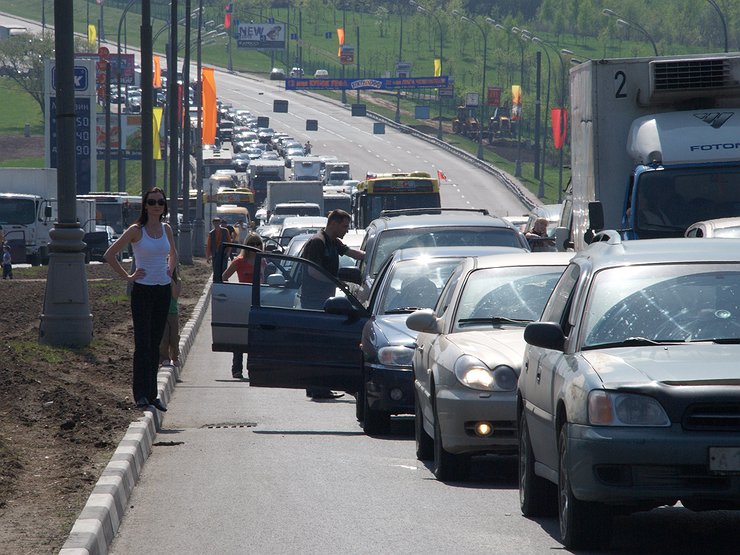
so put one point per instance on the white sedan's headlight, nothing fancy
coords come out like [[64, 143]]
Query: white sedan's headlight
[[395, 355], [475, 374], [611, 408]]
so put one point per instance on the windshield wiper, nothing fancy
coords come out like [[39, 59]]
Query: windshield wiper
[[403, 309], [635, 342], [493, 321], [727, 341]]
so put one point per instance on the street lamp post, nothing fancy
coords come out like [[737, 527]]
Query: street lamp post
[[121, 163], [424, 10], [518, 163], [538, 41], [482, 100], [723, 20], [199, 248], [397, 119], [186, 242], [627, 23]]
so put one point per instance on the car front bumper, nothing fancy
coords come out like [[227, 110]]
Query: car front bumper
[[633, 465], [390, 389], [460, 409]]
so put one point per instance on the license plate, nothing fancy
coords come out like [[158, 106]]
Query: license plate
[[724, 460]]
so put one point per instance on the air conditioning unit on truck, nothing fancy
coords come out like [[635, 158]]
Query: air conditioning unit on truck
[[655, 145], [28, 210]]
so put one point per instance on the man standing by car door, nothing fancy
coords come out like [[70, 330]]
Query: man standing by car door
[[325, 248], [219, 234]]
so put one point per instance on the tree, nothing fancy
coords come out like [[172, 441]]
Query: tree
[[22, 59]]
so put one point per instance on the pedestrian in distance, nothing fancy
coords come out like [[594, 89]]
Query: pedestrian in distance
[[307, 148], [7, 263], [243, 266], [219, 234], [169, 348], [153, 245], [325, 248], [538, 239]]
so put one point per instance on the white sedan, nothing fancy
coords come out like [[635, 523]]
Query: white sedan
[[469, 354]]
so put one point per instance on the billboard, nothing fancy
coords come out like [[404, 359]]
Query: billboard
[[265, 36], [377, 83], [131, 127]]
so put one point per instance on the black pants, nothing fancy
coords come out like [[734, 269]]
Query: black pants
[[149, 307]]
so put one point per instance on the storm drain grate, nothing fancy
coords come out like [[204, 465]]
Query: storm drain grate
[[230, 426]]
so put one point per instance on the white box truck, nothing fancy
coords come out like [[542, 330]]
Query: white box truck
[[655, 145], [262, 171], [28, 210], [281, 192]]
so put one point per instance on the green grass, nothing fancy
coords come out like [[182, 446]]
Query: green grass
[[18, 109], [32, 351]]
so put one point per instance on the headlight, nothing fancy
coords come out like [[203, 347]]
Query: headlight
[[472, 373], [395, 355], [610, 408]]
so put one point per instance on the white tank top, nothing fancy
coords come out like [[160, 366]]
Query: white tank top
[[151, 255]]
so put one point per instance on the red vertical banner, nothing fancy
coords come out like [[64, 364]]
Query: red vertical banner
[[559, 126], [156, 73], [209, 106], [227, 15], [494, 96]]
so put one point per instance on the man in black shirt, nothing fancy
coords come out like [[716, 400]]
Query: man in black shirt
[[324, 249]]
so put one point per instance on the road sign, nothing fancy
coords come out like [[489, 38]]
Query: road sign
[[80, 78]]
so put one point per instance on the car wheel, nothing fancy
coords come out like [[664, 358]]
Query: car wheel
[[537, 496], [448, 467], [583, 525], [375, 422], [424, 442]]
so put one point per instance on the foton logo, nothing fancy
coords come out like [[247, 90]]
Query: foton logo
[[715, 119]]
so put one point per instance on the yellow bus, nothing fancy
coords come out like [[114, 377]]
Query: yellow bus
[[393, 191]]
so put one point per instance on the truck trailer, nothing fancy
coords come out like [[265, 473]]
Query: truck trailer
[[654, 145]]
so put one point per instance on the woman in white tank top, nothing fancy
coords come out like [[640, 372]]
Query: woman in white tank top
[[155, 258]]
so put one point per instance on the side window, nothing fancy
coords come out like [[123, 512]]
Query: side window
[[367, 245], [446, 297], [558, 307]]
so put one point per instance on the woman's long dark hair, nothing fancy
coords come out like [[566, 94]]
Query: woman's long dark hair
[[144, 216]]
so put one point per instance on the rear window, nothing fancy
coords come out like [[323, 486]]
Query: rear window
[[394, 239]]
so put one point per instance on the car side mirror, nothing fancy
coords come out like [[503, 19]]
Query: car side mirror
[[423, 321], [595, 216], [547, 335], [351, 274], [275, 280], [339, 305]]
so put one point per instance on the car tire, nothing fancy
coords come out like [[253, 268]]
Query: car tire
[[583, 525], [360, 404], [375, 422], [424, 442], [537, 496], [448, 467]]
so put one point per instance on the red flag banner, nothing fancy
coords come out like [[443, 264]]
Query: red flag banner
[[559, 126], [441, 176], [208, 98], [227, 15]]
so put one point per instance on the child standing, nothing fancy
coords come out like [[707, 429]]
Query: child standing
[[169, 348], [7, 263]]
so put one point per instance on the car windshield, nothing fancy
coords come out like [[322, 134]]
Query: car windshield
[[493, 296], [663, 303], [415, 284], [478, 236]]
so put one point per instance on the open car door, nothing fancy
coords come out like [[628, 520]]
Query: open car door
[[298, 338]]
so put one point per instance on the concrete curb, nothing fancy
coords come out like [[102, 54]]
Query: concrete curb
[[97, 524]]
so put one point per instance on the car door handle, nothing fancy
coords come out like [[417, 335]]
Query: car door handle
[[538, 377], [420, 348], [220, 297]]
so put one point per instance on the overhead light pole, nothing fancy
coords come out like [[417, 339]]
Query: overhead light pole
[[121, 163], [540, 42], [186, 243], [627, 23], [482, 101], [518, 164], [397, 119], [722, 18], [424, 10], [199, 248]]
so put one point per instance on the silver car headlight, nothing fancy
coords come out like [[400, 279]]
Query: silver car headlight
[[611, 408], [473, 373], [395, 355]]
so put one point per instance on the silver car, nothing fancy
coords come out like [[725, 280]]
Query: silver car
[[469, 353], [629, 396]]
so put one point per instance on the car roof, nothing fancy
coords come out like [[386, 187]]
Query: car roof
[[717, 223], [441, 219], [525, 259], [608, 250], [453, 252], [304, 221]]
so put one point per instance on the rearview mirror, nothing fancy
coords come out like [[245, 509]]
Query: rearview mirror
[[351, 274], [275, 279], [339, 305], [423, 321], [547, 335]]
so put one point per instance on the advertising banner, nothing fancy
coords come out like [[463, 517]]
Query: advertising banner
[[346, 55], [131, 126], [264, 36], [494, 96], [122, 64], [376, 83]]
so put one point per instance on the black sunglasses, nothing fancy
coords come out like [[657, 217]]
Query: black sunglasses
[[153, 202]]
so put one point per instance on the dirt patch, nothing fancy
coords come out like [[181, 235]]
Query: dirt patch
[[63, 411], [16, 147]]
